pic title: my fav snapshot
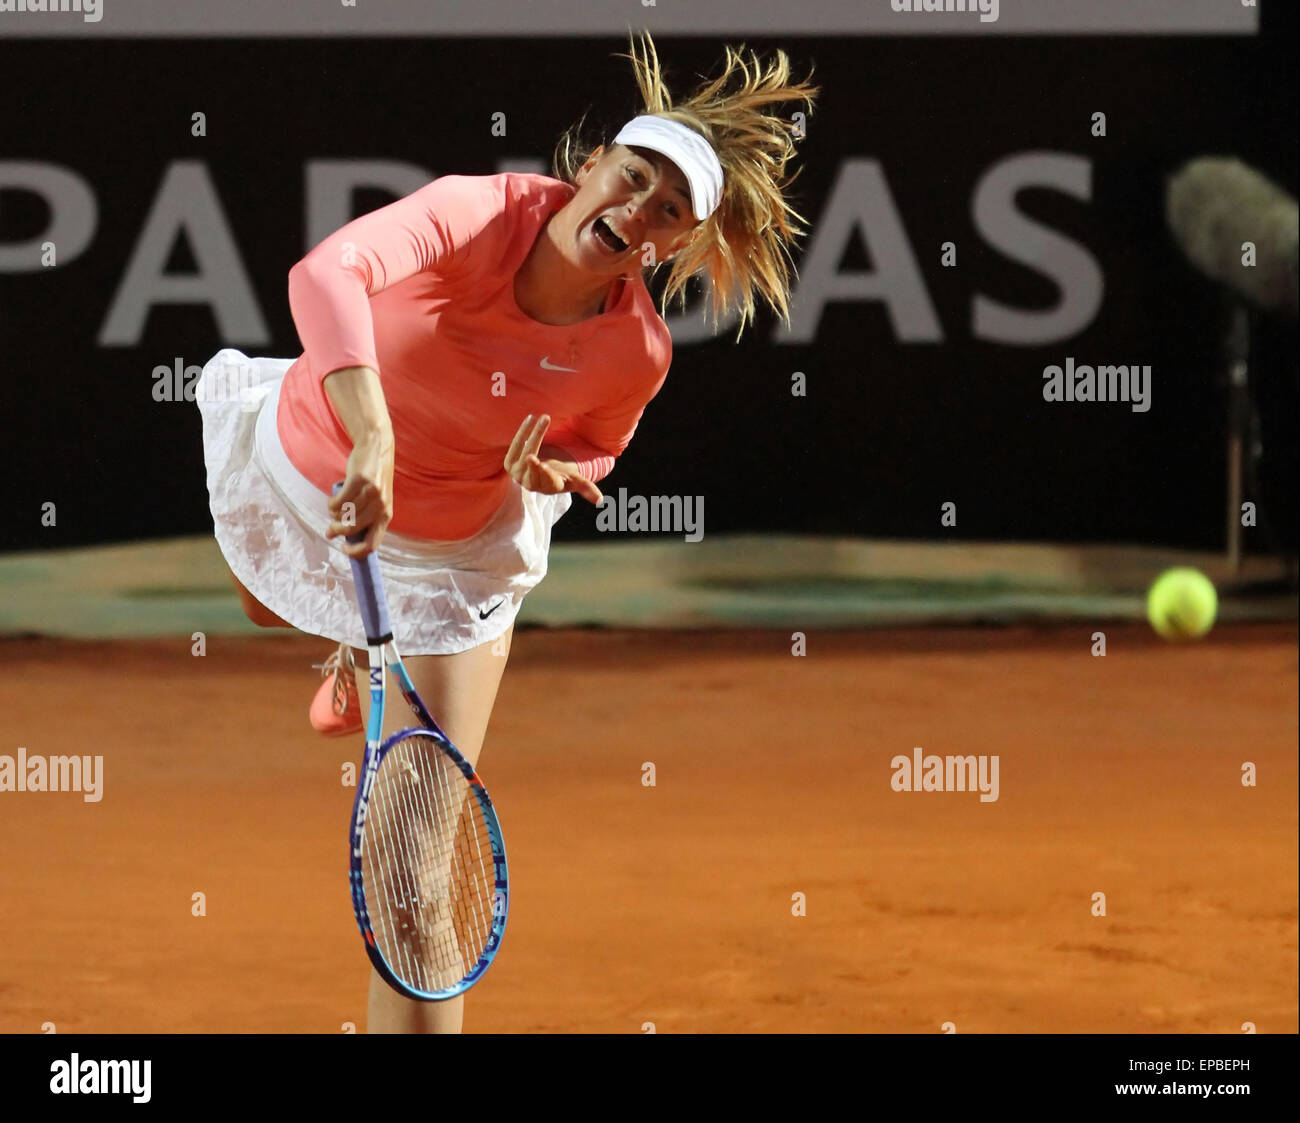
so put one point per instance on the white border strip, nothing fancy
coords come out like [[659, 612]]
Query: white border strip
[[602, 18]]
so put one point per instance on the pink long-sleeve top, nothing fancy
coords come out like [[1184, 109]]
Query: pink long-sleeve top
[[422, 291]]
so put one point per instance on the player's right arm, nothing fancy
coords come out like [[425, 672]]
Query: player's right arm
[[431, 230], [358, 399], [329, 296]]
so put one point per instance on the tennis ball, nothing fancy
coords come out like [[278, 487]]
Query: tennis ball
[[1182, 603]]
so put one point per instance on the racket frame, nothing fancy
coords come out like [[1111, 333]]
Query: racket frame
[[385, 655]]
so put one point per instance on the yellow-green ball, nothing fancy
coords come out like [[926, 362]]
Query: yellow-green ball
[[1182, 604]]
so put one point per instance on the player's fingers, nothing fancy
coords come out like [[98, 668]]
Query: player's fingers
[[535, 437], [350, 521], [358, 501], [353, 521], [352, 549], [529, 477], [373, 536], [515, 452], [588, 490], [543, 477], [580, 485], [346, 495]]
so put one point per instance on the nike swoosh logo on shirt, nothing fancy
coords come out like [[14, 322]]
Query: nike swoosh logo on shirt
[[546, 364], [484, 615]]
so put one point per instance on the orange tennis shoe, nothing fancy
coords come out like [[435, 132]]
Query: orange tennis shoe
[[336, 709]]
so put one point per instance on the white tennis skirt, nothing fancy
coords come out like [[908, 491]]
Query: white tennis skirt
[[270, 522]]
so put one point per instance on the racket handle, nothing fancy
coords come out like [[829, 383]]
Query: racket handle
[[370, 591]]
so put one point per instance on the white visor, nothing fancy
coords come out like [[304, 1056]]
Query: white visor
[[685, 148]]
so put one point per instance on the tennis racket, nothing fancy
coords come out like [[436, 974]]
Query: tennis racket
[[426, 858]]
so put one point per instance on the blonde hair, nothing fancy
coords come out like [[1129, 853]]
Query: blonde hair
[[744, 246]]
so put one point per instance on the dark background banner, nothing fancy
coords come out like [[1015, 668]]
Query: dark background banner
[[171, 247]]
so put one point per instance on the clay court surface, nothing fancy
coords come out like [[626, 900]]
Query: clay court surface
[[672, 904]]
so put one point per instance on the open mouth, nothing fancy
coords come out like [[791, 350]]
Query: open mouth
[[607, 237]]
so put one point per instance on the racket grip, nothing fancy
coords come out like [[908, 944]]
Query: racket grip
[[371, 598]]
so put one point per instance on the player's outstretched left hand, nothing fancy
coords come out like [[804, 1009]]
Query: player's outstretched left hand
[[550, 477]]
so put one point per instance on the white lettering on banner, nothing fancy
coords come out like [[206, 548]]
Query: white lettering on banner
[[1074, 270], [860, 205], [861, 202], [74, 213], [332, 186], [186, 203]]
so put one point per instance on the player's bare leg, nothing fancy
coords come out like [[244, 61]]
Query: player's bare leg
[[460, 691], [253, 608]]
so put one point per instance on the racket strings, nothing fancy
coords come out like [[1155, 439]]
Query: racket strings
[[406, 871], [427, 867]]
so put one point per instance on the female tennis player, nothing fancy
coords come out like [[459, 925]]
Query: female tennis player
[[473, 356]]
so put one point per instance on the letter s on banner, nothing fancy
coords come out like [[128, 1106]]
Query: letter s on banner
[[1074, 270]]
